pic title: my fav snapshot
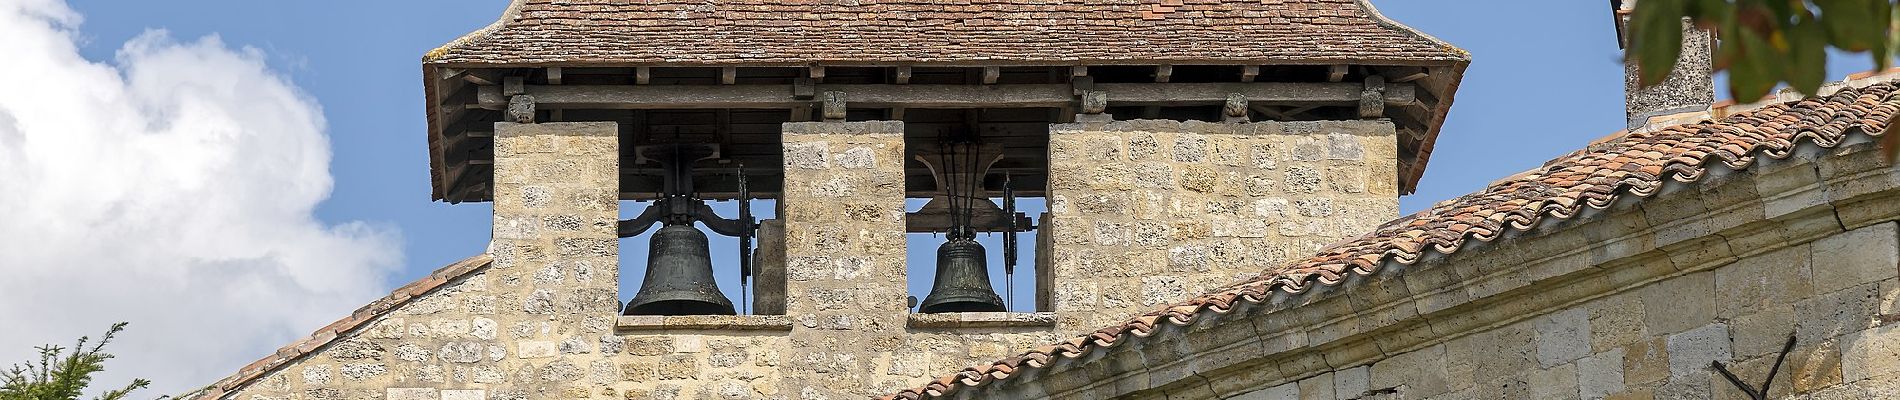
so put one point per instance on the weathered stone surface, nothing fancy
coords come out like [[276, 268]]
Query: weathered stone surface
[[1856, 257], [1679, 304], [1563, 337], [1212, 202], [1871, 354], [1559, 382], [1600, 375], [1691, 351], [1290, 391], [1352, 382]]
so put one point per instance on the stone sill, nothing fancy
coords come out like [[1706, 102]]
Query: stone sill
[[984, 320], [704, 322]]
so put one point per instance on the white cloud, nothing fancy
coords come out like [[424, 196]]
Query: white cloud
[[173, 188]]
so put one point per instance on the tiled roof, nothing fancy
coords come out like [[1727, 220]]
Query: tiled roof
[[799, 32], [323, 336], [1627, 164]]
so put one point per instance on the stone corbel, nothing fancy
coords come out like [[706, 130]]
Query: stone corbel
[[1372, 100], [834, 107]]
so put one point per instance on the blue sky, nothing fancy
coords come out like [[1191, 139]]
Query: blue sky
[[1545, 80]]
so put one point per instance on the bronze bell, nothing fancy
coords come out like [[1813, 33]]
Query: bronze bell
[[963, 280], [679, 278]]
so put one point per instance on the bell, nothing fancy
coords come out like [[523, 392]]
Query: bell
[[679, 278], [963, 280]]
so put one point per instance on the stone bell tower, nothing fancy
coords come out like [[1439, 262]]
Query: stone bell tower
[[1155, 153]]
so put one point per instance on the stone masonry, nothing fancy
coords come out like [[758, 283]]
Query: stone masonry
[[1656, 341], [541, 322], [1148, 212], [844, 234]]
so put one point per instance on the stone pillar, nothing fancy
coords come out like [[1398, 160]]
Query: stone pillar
[[1691, 87], [843, 212], [768, 269], [1149, 212], [556, 253]]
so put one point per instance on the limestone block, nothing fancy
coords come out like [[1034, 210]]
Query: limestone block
[[1289, 391], [409, 394], [1563, 337], [1890, 297], [1600, 375], [473, 394], [1763, 332], [1813, 366], [1830, 315], [1421, 373], [1352, 382], [1691, 351], [1753, 284], [1559, 382], [1616, 321], [1678, 304], [1645, 362], [535, 349], [1871, 353], [1849, 259], [1318, 387]]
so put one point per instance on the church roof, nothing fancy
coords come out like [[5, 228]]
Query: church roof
[[1009, 32], [1623, 165], [323, 336]]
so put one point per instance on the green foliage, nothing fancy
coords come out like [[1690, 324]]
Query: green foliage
[[1765, 43], [58, 376]]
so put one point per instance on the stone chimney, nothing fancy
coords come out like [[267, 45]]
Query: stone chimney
[[1690, 88]]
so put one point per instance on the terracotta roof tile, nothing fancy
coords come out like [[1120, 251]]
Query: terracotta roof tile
[[1630, 164], [797, 32], [328, 333]]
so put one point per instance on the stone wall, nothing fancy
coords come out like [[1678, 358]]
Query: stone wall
[[541, 323], [1657, 340], [1632, 302], [1148, 212]]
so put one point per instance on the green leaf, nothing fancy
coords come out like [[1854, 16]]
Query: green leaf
[[1755, 69], [1806, 56], [1657, 29], [1853, 25]]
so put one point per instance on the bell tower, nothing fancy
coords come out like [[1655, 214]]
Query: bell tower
[[919, 207]]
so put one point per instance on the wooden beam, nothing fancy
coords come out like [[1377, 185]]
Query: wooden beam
[[512, 85], [903, 75], [1336, 73], [1163, 73], [643, 75], [817, 73], [1249, 73], [728, 75], [1408, 74], [631, 97], [1079, 70], [554, 75], [990, 74]]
